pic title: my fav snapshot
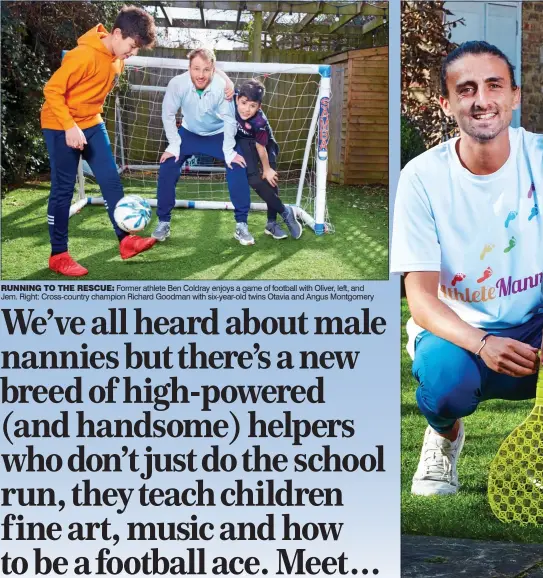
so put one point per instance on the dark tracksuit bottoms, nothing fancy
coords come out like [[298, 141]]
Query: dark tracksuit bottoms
[[170, 170], [269, 194], [64, 162]]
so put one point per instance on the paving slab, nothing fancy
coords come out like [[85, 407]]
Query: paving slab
[[436, 557], [535, 572]]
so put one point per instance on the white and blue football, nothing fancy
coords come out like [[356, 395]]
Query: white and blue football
[[132, 214]]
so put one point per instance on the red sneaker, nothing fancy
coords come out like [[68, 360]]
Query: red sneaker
[[132, 245], [65, 265]]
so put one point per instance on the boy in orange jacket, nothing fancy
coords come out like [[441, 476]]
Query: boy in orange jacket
[[72, 127]]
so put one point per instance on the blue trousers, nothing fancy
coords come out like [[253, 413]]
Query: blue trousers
[[64, 162], [453, 381], [170, 170]]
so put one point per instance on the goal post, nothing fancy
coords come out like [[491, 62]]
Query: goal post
[[296, 104]]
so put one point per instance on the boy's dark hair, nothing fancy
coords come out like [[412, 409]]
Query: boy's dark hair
[[252, 90], [473, 47], [138, 24]]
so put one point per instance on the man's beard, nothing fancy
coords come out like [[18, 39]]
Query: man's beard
[[481, 134]]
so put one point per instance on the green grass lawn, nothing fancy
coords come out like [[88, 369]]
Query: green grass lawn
[[468, 514], [202, 245]]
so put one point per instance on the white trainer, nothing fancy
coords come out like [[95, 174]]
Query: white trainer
[[436, 474]]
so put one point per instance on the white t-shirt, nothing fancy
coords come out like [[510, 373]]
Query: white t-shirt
[[484, 234]]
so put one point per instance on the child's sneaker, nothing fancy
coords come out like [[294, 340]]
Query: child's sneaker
[[294, 227], [274, 229], [242, 234], [65, 265], [132, 245]]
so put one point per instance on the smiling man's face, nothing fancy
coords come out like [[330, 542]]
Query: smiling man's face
[[481, 96], [201, 72]]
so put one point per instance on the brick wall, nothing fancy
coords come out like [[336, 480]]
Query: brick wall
[[532, 66]]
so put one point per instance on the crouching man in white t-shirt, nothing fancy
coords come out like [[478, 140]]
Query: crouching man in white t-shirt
[[468, 235]]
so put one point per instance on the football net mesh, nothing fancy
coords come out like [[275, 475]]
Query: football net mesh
[[133, 117]]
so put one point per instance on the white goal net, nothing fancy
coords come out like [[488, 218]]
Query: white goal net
[[296, 104]]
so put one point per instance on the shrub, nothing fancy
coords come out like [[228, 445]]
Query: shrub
[[411, 141], [33, 35], [23, 152], [425, 42]]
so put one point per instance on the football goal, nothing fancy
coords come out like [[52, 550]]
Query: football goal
[[296, 104]]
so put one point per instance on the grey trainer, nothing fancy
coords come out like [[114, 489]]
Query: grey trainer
[[294, 227], [274, 229], [242, 234], [162, 231]]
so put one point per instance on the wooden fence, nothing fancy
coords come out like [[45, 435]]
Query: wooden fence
[[358, 152]]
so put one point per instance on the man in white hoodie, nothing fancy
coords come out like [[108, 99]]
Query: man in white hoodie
[[468, 235], [209, 128]]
